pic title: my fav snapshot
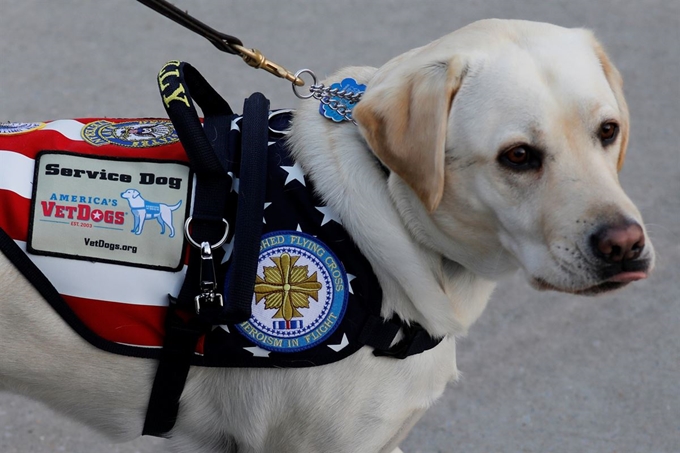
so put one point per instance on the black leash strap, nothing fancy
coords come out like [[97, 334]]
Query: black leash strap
[[224, 42], [220, 40]]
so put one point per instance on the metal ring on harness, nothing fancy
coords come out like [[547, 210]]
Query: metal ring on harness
[[297, 76], [276, 113], [196, 244], [272, 114]]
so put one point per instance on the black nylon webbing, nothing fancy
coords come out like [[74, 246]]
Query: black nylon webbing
[[250, 207], [379, 334], [206, 147], [179, 345], [179, 83]]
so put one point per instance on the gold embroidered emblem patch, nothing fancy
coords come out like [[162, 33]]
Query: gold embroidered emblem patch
[[286, 287], [300, 293]]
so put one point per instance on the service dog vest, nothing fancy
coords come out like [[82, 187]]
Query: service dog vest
[[99, 206]]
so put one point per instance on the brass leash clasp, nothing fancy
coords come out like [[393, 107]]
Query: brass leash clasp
[[256, 59]]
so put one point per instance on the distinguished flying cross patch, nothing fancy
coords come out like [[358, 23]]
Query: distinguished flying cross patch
[[132, 134], [300, 293], [113, 210]]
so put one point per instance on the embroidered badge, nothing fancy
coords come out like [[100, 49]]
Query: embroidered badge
[[339, 108], [300, 293], [131, 134], [109, 210], [19, 128]]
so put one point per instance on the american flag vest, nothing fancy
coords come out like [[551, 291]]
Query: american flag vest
[[99, 205]]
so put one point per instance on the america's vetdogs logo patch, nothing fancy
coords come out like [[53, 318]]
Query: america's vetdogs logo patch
[[300, 293], [125, 211], [132, 134]]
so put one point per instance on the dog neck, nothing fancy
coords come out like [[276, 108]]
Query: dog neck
[[468, 290], [418, 284]]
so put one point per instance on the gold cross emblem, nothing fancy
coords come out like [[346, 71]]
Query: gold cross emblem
[[286, 287]]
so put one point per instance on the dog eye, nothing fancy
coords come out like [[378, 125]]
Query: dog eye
[[608, 132], [520, 157]]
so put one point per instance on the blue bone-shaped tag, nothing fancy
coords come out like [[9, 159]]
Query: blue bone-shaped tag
[[348, 85]]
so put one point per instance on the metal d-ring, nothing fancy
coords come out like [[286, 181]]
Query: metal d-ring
[[196, 244], [297, 76], [276, 113]]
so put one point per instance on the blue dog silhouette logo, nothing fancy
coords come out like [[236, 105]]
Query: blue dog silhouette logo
[[143, 210]]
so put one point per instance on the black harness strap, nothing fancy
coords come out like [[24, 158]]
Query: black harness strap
[[179, 84], [179, 345], [252, 190], [206, 148], [379, 334]]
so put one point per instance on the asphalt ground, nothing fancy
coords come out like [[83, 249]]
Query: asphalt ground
[[542, 372]]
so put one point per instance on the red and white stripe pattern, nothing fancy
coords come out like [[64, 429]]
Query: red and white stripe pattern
[[119, 303]]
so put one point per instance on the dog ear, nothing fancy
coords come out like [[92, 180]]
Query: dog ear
[[404, 116], [616, 83]]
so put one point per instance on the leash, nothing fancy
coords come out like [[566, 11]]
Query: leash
[[339, 99], [223, 41]]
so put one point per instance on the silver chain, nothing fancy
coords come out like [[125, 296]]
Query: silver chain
[[329, 96]]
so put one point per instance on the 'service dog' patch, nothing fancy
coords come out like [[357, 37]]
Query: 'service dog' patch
[[124, 211]]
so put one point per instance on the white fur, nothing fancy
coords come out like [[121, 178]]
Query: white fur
[[436, 268]]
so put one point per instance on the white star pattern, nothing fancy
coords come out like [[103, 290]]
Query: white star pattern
[[298, 228], [328, 215], [343, 343], [294, 173], [266, 205], [257, 351], [234, 182], [96, 215], [228, 248], [350, 277]]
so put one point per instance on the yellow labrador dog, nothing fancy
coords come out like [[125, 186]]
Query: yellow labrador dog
[[503, 142]]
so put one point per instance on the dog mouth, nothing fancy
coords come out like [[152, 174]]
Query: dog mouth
[[612, 283], [600, 288]]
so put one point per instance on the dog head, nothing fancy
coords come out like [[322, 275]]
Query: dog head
[[130, 194], [505, 139]]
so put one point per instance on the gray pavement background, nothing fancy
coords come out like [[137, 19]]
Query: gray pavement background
[[542, 372]]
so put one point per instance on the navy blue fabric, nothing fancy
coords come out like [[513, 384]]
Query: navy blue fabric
[[289, 206]]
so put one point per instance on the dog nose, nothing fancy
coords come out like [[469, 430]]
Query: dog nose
[[619, 243]]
